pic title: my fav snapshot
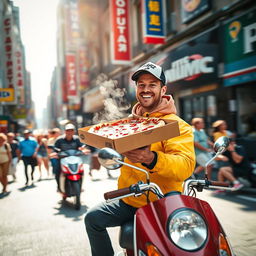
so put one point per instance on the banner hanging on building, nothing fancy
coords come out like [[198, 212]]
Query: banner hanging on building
[[240, 49], [19, 72], [8, 57], [72, 29], [71, 75], [120, 31], [153, 21]]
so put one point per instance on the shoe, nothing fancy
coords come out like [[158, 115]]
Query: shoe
[[219, 192], [237, 186]]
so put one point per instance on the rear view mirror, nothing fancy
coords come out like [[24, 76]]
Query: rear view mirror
[[221, 144], [107, 158]]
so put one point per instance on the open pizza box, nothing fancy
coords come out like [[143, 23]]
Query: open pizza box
[[133, 141]]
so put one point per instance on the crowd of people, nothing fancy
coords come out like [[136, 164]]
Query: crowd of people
[[37, 151], [231, 165]]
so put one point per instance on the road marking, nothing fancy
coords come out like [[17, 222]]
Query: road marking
[[247, 198]]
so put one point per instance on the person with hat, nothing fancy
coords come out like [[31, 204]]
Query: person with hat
[[220, 129], [168, 162], [28, 148], [65, 142]]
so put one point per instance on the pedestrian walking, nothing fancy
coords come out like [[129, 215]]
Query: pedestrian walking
[[42, 155], [16, 155], [28, 148], [5, 160]]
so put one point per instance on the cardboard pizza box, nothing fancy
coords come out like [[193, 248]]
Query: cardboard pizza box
[[133, 141]]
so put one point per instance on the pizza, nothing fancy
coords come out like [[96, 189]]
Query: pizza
[[125, 127]]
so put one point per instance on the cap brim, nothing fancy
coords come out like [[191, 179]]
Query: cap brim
[[136, 75]]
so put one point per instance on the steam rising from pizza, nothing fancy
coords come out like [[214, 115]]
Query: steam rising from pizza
[[125, 127]]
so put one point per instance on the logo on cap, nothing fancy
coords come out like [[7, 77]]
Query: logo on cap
[[148, 66]]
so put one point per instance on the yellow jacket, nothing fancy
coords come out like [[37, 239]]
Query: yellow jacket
[[175, 163]]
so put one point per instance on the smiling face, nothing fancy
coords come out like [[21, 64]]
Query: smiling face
[[149, 91]]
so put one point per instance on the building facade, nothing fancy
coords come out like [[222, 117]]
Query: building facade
[[207, 49], [16, 108]]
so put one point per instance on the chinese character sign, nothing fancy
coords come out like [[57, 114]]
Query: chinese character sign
[[153, 21], [120, 32]]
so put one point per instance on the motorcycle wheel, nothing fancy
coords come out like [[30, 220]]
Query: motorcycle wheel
[[78, 203], [77, 189]]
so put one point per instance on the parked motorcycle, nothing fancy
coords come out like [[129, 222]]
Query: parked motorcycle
[[175, 224], [71, 176]]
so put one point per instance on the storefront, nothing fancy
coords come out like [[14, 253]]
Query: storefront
[[239, 78], [192, 75]]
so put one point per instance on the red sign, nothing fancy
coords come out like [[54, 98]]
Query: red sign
[[71, 75], [8, 48], [120, 28]]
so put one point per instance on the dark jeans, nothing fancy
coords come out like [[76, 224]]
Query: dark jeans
[[29, 160], [57, 171], [101, 217]]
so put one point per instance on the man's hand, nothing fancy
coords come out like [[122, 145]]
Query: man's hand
[[86, 151], [141, 155]]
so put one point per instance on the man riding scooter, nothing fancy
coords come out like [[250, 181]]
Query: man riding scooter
[[66, 142], [168, 162]]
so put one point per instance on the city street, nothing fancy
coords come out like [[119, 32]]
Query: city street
[[34, 221]]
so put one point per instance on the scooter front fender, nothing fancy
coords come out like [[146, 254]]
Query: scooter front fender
[[151, 226]]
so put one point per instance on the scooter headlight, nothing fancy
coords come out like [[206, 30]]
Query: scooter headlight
[[187, 229]]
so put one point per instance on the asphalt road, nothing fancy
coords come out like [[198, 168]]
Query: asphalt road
[[35, 221]]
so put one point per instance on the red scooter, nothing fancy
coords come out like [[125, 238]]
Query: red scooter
[[174, 225]]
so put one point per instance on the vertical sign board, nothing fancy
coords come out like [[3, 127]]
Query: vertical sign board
[[240, 49], [120, 31], [83, 68], [9, 55], [71, 75], [19, 73], [153, 21], [72, 29]]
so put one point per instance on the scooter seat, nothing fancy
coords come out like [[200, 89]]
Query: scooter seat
[[126, 235]]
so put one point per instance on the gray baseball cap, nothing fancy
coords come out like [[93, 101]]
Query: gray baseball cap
[[151, 68]]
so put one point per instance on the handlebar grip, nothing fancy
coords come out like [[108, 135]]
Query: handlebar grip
[[219, 183], [117, 193]]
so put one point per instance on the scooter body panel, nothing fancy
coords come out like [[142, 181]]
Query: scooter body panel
[[71, 178], [152, 220]]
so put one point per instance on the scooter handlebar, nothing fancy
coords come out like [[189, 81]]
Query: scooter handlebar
[[117, 193], [218, 183]]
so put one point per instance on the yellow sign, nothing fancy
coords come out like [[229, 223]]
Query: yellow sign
[[7, 95]]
